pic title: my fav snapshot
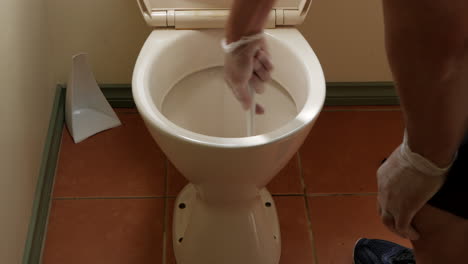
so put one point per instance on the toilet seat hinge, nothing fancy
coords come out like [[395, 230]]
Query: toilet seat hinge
[[197, 19]]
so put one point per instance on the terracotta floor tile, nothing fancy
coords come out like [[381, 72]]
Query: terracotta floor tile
[[170, 257], [288, 181], [123, 161], [101, 231], [126, 110], [175, 181], [296, 244], [344, 150], [338, 221]]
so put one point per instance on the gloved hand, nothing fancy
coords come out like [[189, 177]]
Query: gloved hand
[[247, 63], [406, 181]]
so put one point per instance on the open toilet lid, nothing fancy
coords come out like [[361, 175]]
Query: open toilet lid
[[214, 13]]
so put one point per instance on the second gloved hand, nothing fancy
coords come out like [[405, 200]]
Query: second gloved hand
[[406, 181], [247, 63]]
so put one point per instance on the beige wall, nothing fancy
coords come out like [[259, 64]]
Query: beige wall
[[26, 93], [347, 36], [111, 31], [348, 39]]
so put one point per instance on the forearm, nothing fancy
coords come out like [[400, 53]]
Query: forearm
[[247, 17], [429, 63], [436, 120]]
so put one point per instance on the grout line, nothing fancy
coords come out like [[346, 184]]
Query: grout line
[[165, 232], [306, 204], [311, 230], [301, 173], [161, 197], [164, 248], [109, 198], [340, 194]]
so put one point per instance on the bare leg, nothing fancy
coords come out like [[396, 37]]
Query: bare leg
[[444, 237]]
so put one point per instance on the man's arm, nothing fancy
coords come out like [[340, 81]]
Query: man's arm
[[428, 60], [247, 63], [436, 125], [426, 46], [247, 17]]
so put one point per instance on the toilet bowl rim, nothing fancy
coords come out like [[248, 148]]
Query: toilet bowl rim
[[305, 117]]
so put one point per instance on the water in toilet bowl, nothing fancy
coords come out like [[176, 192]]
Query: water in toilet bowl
[[201, 102]]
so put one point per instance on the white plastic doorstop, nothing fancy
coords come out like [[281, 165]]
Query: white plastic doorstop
[[87, 111]]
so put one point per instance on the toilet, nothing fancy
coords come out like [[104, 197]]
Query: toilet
[[225, 214]]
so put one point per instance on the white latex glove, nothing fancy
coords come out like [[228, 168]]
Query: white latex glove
[[406, 181], [247, 63]]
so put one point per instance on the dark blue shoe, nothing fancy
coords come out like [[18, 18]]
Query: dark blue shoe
[[376, 251]]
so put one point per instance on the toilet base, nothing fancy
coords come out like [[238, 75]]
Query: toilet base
[[245, 233]]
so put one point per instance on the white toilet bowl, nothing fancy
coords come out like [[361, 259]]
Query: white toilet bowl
[[225, 215]]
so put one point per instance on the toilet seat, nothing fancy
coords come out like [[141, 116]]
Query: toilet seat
[[213, 13]]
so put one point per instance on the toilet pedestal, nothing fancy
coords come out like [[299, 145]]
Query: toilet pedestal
[[244, 232]]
